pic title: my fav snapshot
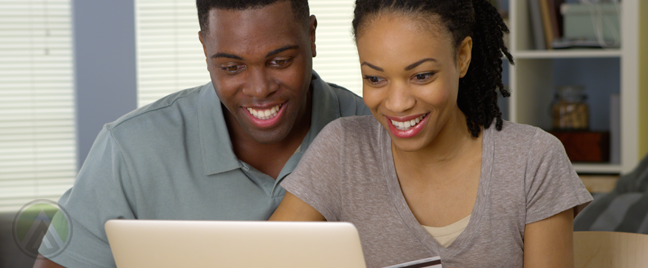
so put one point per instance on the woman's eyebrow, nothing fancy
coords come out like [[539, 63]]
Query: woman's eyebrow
[[372, 66], [413, 65]]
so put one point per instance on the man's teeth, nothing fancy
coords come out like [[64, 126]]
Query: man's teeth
[[407, 124], [265, 114]]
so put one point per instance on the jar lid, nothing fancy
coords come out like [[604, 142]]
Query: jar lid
[[571, 93]]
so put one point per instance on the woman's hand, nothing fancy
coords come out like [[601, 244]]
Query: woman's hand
[[294, 209], [549, 242]]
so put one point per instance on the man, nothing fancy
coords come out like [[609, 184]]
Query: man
[[214, 152]]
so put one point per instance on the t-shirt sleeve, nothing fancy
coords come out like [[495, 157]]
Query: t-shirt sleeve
[[315, 180], [552, 186], [97, 196]]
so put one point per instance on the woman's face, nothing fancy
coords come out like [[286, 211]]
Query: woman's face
[[411, 74]]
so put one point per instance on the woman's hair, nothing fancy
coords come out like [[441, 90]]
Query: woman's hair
[[477, 97]]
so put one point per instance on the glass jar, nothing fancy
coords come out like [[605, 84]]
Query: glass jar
[[570, 111]]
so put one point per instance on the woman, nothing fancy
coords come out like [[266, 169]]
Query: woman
[[436, 171]]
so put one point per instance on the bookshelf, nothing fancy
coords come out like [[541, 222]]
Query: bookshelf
[[532, 82]]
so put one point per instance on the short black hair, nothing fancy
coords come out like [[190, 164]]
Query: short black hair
[[479, 19], [300, 8]]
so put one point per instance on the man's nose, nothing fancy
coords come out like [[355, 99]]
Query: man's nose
[[260, 85]]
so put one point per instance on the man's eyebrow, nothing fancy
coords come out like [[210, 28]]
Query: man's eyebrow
[[274, 52], [279, 50], [413, 65], [372, 66], [226, 55]]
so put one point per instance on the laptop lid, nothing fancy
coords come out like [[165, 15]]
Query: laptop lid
[[166, 243]]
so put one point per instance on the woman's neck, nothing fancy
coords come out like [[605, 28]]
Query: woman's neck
[[452, 144]]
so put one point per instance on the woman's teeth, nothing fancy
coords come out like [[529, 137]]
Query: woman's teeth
[[407, 124], [265, 114]]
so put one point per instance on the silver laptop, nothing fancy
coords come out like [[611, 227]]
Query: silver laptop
[[165, 243]]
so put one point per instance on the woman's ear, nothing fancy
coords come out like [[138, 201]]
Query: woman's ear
[[464, 55]]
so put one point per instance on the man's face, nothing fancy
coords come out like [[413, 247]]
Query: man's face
[[260, 62]]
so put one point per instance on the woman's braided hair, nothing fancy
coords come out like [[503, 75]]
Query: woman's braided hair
[[479, 19]]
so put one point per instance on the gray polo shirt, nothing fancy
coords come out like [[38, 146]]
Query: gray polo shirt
[[173, 159]]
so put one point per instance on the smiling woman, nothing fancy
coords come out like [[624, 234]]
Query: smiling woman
[[436, 171]]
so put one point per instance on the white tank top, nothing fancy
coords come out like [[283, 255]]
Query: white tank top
[[447, 234]]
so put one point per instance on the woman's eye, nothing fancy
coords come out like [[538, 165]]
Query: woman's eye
[[373, 79], [423, 76]]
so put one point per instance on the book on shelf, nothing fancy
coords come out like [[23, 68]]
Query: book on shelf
[[546, 22], [556, 17], [536, 25], [615, 128]]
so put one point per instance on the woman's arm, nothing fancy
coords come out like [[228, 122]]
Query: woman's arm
[[548, 243], [294, 209]]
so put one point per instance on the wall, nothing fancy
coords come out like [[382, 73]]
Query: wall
[[643, 79], [105, 71]]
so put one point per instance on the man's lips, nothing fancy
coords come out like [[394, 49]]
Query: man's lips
[[264, 113], [264, 116]]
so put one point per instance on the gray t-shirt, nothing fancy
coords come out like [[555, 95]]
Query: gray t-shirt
[[348, 174]]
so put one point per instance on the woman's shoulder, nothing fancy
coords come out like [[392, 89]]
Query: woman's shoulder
[[361, 121], [526, 138], [522, 132], [356, 130], [353, 125]]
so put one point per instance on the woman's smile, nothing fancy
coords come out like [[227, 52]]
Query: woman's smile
[[406, 127]]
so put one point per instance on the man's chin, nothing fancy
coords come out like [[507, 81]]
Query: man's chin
[[269, 136]]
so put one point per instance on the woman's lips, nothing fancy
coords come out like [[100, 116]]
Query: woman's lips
[[406, 127]]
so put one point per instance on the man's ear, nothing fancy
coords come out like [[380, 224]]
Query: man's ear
[[202, 42], [464, 56], [311, 33]]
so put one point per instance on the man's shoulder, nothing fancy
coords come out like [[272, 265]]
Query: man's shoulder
[[349, 103], [344, 95], [342, 91], [174, 103]]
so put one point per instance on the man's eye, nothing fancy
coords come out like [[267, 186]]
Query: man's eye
[[233, 68], [280, 63]]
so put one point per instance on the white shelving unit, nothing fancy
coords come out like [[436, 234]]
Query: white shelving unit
[[532, 82]]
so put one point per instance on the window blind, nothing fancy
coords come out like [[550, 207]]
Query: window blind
[[337, 57], [37, 146], [170, 57]]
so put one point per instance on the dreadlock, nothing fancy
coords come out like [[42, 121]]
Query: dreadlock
[[479, 19]]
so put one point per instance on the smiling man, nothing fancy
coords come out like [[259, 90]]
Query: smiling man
[[217, 151]]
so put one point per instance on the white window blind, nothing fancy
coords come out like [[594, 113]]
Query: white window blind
[[337, 58], [170, 57], [37, 147], [169, 54]]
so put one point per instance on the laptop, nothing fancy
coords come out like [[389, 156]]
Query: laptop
[[167, 243]]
